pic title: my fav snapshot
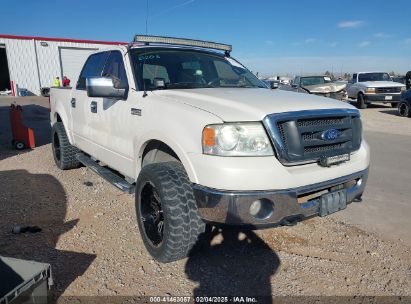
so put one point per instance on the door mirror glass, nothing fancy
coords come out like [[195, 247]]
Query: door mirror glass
[[104, 87]]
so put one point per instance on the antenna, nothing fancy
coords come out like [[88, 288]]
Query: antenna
[[146, 17], [144, 62]]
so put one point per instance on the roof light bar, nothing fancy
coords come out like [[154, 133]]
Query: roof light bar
[[183, 41]]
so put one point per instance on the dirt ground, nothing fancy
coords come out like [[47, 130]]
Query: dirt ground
[[91, 239]]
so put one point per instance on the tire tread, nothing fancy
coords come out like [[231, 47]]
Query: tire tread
[[68, 152], [179, 205]]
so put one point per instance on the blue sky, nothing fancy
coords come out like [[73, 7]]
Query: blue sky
[[268, 36]]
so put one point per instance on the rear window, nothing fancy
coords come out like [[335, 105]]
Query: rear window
[[92, 68]]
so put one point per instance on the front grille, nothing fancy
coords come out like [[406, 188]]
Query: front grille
[[388, 90], [299, 137], [324, 148], [320, 122]]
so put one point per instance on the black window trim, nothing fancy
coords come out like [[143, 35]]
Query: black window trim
[[88, 58]]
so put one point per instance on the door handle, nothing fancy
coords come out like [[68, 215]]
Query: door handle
[[93, 107], [73, 102]]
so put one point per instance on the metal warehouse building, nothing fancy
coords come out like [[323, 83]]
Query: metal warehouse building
[[32, 63]]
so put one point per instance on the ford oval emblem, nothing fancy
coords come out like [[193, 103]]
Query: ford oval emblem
[[331, 134]]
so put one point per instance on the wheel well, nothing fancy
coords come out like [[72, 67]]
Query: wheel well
[[58, 118], [158, 152]]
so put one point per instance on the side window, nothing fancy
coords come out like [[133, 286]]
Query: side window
[[93, 67], [114, 68], [225, 71], [354, 78]]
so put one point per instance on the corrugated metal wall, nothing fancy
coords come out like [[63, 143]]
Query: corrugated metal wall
[[24, 56], [22, 63]]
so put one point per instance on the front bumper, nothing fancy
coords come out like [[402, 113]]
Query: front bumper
[[382, 97], [233, 207]]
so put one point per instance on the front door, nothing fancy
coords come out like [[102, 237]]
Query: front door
[[87, 114]]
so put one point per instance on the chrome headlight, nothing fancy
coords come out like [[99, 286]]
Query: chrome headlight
[[403, 89], [236, 139]]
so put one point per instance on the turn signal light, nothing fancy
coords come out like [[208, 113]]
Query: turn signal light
[[209, 137]]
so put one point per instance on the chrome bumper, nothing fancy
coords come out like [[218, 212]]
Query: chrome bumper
[[233, 207], [379, 97]]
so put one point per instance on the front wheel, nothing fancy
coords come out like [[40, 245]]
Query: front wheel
[[404, 109], [166, 211], [361, 101]]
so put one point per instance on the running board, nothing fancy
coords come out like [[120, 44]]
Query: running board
[[105, 173]]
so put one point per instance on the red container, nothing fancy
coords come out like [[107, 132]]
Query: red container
[[23, 137]]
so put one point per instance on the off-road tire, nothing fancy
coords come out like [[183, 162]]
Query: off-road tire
[[63, 152], [182, 224], [404, 109], [361, 101]]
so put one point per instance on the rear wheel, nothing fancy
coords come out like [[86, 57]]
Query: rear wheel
[[361, 101], [404, 109], [166, 210], [19, 145], [64, 153]]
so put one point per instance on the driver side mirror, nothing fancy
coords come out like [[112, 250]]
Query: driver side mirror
[[104, 87]]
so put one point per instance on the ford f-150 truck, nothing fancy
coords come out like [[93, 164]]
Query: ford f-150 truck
[[200, 140], [368, 87]]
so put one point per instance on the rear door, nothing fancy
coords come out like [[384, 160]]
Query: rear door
[[85, 120], [352, 88]]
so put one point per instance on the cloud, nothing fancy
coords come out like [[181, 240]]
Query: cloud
[[382, 35], [310, 40], [351, 24], [364, 44], [306, 41]]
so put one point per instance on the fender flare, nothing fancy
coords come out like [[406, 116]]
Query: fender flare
[[141, 143], [64, 120]]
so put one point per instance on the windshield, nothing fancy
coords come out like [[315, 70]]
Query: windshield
[[374, 77], [308, 81], [161, 68]]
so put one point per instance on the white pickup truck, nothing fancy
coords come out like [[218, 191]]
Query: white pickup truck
[[200, 140], [368, 87]]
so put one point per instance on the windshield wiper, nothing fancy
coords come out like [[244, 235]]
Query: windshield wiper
[[187, 85]]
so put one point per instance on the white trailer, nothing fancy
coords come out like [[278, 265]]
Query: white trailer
[[32, 63]]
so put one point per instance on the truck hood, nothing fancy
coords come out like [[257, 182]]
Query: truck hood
[[249, 104], [381, 84], [326, 88]]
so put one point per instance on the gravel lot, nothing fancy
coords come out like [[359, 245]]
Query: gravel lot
[[91, 239]]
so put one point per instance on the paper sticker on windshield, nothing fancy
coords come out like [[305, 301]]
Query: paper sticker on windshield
[[234, 63], [327, 78], [148, 57]]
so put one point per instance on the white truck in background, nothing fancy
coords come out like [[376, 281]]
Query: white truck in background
[[200, 140], [374, 87]]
